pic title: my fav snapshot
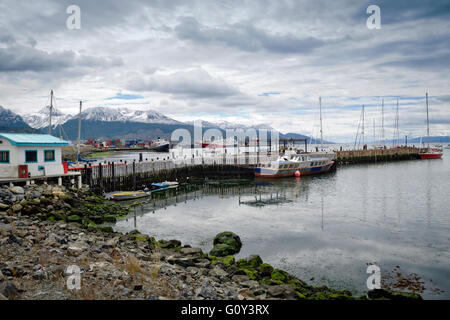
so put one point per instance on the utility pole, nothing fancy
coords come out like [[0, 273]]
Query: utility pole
[[51, 110], [79, 132]]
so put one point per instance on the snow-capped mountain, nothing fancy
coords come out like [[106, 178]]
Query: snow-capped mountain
[[124, 115], [40, 119], [230, 125], [9, 119]]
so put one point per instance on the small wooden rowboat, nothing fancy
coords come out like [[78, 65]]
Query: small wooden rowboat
[[130, 195]]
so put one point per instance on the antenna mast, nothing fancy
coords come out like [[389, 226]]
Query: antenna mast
[[79, 131], [51, 110]]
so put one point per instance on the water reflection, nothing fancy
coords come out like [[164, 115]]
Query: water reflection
[[327, 227]]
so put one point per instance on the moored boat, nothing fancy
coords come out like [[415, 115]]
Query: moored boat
[[160, 145], [130, 195], [164, 185], [430, 152], [296, 166]]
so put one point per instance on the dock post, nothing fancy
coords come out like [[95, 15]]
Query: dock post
[[80, 182], [100, 175], [59, 181], [134, 174], [113, 173]]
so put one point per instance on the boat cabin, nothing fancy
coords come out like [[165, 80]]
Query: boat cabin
[[30, 155]]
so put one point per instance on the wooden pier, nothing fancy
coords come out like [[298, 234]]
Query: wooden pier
[[107, 177], [114, 176], [377, 155]]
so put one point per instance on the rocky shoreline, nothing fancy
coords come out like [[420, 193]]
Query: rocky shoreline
[[46, 232]]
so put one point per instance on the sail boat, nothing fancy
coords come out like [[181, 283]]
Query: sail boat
[[430, 153]]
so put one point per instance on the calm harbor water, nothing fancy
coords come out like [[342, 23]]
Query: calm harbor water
[[324, 229]]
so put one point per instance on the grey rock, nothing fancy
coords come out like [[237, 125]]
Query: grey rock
[[4, 206], [9, 289], [13, 239], [218, 273], [191, 251], [239, 278], [276, 291], [182, 261], [170, 244], [203, 263], [16, 207], [282, 291], [17, 190]]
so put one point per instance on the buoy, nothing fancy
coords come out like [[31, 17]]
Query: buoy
[[297, 173]]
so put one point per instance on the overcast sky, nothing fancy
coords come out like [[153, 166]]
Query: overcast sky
[[240, 61]]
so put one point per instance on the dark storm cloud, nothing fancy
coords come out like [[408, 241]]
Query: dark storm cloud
[[407, 10], [194, 84], [445, 98], [19, 58], [244, 37], [437, 62]]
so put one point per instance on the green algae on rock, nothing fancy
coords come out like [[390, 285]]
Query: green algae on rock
[[226, 243]]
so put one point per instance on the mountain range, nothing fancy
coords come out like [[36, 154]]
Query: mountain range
[[125, 123], [12, 122]]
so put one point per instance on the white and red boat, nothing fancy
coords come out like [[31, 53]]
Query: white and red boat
[[430, 152], [296, 166]]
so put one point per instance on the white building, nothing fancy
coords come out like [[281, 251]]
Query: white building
[[30, 155]]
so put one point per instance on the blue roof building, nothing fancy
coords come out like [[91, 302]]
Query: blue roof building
[[30, 155]]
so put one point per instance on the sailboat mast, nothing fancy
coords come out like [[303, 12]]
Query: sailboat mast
[[382, 122], [79, 131], [397, 138], [428, 122], [51, 110], [374, 138], [362, 131], [321, 131]]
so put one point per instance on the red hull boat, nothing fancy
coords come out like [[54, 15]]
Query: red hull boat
[[430, 152], [430, 155]]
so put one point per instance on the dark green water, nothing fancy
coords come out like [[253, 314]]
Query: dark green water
[[325, 227]]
